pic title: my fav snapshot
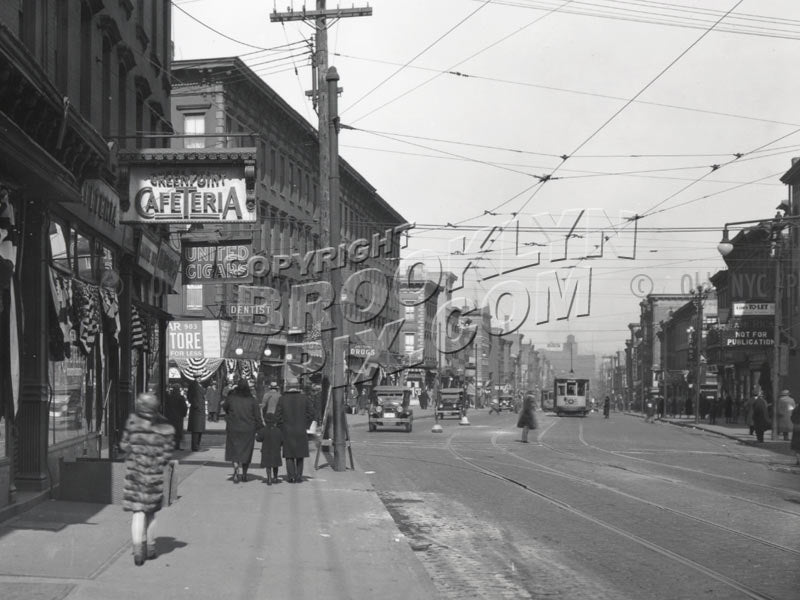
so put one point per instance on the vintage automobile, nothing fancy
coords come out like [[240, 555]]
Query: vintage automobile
[[451, 403], [507, 402], [390, 408]]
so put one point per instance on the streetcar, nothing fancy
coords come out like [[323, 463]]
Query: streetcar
[[570, 396]]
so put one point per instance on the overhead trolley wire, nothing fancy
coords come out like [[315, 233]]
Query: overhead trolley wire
[[423, 51]]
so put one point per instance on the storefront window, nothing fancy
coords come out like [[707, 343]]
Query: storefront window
[[69, 389], [85, 257], [60, 245]]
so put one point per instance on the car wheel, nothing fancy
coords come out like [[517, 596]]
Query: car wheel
[[372, 427], [408, 427]]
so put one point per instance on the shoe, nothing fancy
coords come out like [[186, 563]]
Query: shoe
[[138, 555], [290, 479], [269, 479], [151, 552], [244, 476]]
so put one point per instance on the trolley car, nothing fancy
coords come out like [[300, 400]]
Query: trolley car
[[547, 399], [570, 396]]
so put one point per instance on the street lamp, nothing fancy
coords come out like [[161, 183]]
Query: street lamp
[[725, 247], [699, 295]]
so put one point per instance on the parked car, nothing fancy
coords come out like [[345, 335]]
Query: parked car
[[390, 408]]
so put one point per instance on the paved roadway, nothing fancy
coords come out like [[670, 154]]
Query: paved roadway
[[593, 508]]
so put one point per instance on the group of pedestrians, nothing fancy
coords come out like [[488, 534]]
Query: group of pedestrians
[[280, 422]]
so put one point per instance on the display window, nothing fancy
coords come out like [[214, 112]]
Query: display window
[[82, 328]]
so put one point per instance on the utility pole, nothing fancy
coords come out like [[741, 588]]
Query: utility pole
[[329, 222]]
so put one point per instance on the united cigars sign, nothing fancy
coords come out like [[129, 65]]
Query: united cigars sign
[[188, 194], [211, 262]]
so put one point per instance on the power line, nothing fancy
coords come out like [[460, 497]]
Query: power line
[[470, 57], [423, 51]]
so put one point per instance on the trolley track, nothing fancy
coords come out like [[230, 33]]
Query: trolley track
[[743, 588]]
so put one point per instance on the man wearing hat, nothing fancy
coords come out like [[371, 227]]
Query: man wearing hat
[[785, 408], [294, 414], [269, 401]]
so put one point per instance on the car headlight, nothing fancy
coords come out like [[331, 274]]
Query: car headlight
[[379, 409]]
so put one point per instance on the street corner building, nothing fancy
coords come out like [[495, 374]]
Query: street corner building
[[82, 295]]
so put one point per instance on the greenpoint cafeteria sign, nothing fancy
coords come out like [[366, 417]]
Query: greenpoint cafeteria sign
[[198, 194]]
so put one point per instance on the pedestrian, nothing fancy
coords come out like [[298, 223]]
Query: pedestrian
[[424, 397], [175, 410], [294, 415], [270, 398], [147, 442], [786, 405], [747, 408], [242, 420], [687, 406], [760, 417], [728, 404], [606, 406], [527, 417], [363, 402], [795, 445], [271, 440], [712, 410], [649, 412], [494, 406], [197, 413], [213, 399]]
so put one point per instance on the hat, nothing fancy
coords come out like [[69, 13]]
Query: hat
[[243, 386], [273, 384], [292, 382], [146, 403], [785, 393]]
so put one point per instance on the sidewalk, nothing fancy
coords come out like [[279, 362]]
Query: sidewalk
[[734, 431], [329, 537]]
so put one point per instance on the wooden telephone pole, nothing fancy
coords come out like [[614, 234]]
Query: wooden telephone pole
[[329, 219]]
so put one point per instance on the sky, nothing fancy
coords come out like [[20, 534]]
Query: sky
[[601, 144]]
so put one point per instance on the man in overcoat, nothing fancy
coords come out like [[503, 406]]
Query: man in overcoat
[[294, 415], [197, 413], [175, 412]]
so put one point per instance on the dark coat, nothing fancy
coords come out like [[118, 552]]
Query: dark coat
[[213, 398], [147, 443], [761, 415], [294, 414], [241, 423], [175, 410], [795, 445], [606, 406], [527, 418], [271, 442], [197, 408]]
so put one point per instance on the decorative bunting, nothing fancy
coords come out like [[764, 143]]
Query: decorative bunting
[[199, 369], [137, 335], [86, 308], [110, 304]]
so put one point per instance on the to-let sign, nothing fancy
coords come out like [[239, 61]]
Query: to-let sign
[[753, 309], [202, 194]]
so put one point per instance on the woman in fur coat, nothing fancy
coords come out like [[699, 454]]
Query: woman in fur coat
[[147, 443]]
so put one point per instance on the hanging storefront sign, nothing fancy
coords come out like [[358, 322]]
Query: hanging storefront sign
[[188, 194], [362, 350], [147, 252], [197, 339], [753, 309], [207, 262], [168, 264], [748, 332]]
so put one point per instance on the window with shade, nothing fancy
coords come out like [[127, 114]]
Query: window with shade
[[194, 125], [194, 297]]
